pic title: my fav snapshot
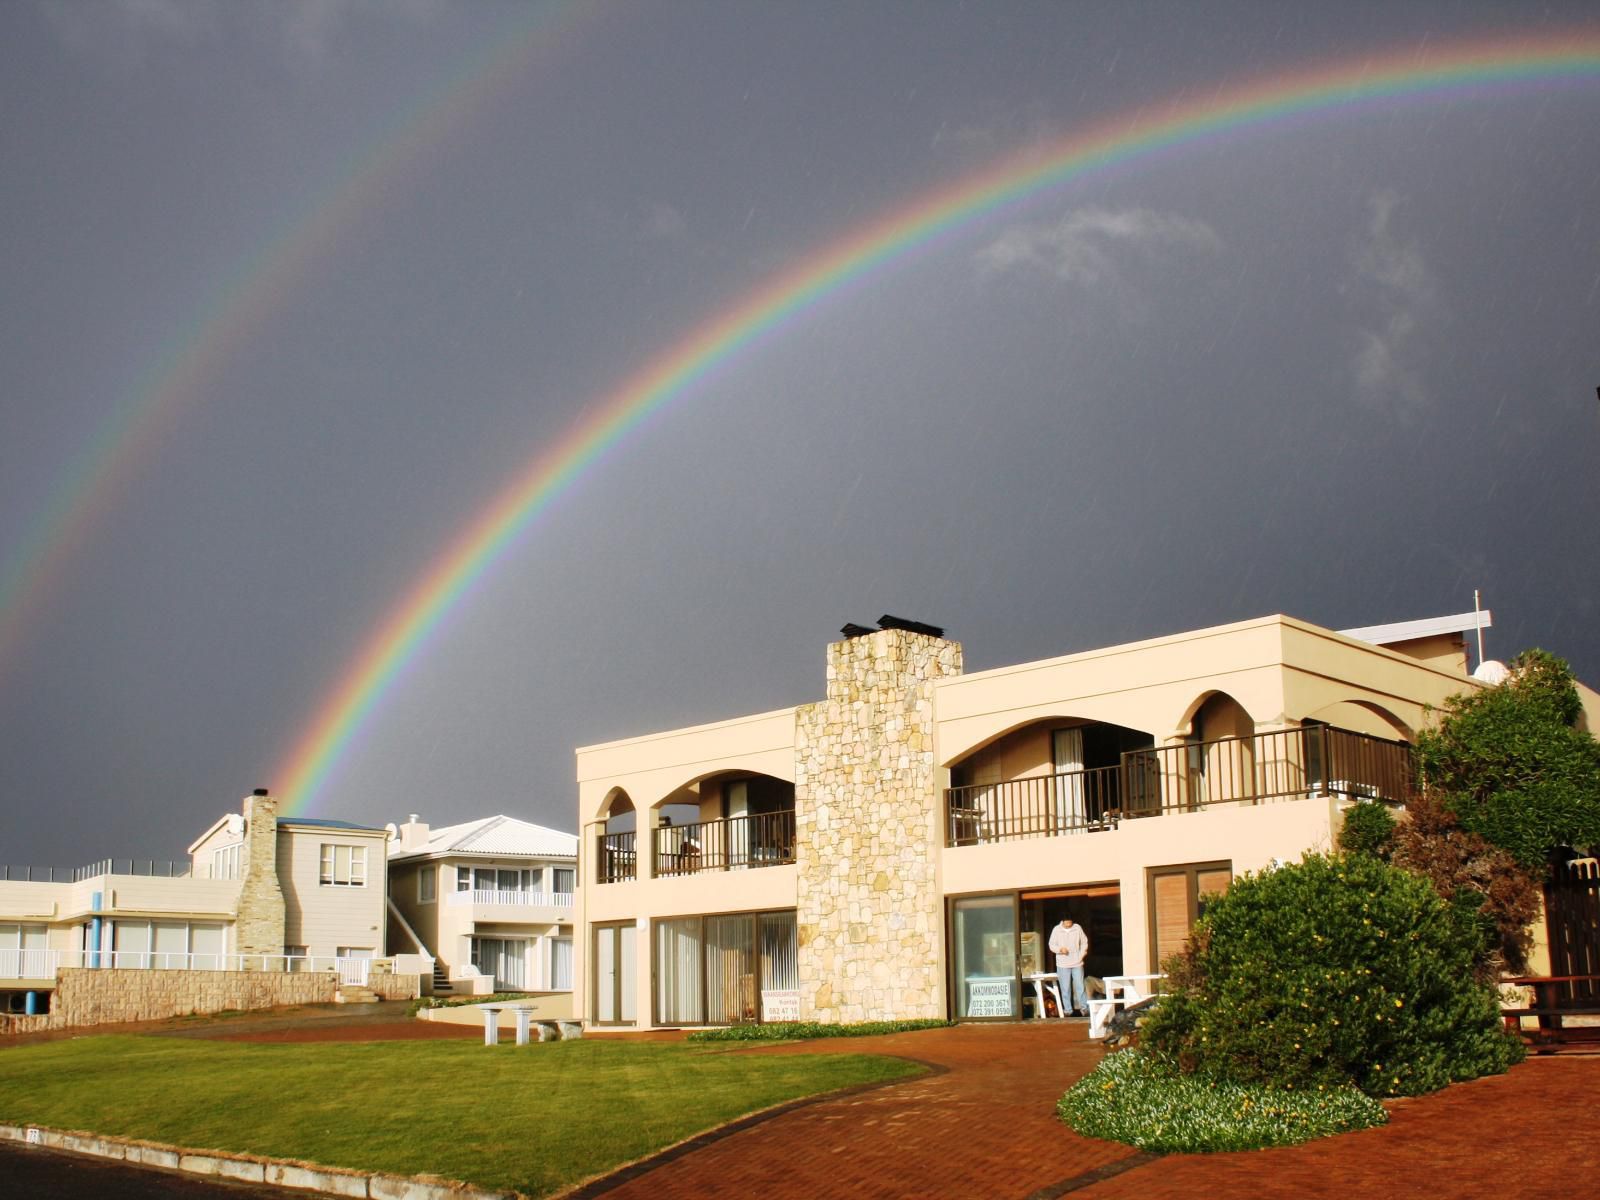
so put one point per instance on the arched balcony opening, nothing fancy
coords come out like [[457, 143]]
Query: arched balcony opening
[[726, 821], [1222, 761], [1049, 777], [616, 849]]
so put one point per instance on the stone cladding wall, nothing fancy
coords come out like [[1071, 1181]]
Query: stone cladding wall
[[259, 919], [866, 826], [86, 996], [386, 985]]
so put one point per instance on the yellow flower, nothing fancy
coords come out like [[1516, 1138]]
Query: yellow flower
[[1398, 1004]]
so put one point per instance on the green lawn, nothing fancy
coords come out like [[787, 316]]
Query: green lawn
[[534, 1119]]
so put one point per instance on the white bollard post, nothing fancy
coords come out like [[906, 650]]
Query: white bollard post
[[524, 1017], [491, 1024]]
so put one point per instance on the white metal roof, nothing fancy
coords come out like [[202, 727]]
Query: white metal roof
[[1405, 631], [498, 836]]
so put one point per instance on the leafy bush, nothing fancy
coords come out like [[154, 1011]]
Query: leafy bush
[[1336, 970], [1484, 880], [1510, 762], [1134, 1098], [784, 1031], [1368, 829]]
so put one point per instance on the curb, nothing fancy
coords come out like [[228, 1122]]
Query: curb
[[248, 1168]]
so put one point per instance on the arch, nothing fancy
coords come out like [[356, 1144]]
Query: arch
[[617, 812], [1215, 714], [1363, 716], [710, 796], [956, 759]]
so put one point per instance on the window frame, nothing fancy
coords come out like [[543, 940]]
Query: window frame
[[355, 865], [1191, 872]]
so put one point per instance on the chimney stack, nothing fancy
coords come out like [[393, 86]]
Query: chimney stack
[[414, 833]]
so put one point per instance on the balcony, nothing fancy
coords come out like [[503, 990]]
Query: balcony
[[730, 844], [617, 860], [1189, 777], [513, 905]]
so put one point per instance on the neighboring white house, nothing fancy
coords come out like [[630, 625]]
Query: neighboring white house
[[489, 900]]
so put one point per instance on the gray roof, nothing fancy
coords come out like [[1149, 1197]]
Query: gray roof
[[498, 836]]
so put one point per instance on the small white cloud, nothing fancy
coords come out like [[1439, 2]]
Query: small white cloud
[[1085, 245], [664, 222], [123, 32], [1391, 276]]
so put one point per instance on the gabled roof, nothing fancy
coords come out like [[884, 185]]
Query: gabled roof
[[498, 836], [1405, 631]]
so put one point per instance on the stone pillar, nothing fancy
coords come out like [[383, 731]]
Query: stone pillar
[[258, 920], [867, 823]]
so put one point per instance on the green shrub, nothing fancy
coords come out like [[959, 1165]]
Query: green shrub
[[1368, 829], [784, 1031], [1134, 1098], [1512, 764], [1336, 970]]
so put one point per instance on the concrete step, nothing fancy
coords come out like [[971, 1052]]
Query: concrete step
[[351, 993]]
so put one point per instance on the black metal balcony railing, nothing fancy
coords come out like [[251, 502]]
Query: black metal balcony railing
[[733, 844], [1182, 778], [617, 861]]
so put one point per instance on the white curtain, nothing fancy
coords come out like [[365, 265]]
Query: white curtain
[[738, 813], [1069, 779]]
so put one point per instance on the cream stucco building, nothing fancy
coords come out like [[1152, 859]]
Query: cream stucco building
[[901, 847]]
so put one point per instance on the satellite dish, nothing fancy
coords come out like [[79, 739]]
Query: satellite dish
[[1492, 672]]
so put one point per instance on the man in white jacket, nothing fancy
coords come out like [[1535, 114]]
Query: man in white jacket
[[1070, 945]]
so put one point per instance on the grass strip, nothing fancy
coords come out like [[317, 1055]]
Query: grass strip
[[789, 1031], [533, 1119]]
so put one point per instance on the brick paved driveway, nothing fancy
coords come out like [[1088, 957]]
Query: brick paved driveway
[[984, 1126]]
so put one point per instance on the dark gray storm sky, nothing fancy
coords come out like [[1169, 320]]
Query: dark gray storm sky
[[1342, 367]]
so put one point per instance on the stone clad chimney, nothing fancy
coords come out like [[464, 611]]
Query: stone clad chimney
[[866, 823], [258, 920]]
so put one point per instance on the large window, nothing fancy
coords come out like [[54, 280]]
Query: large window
[[24, 953], [225, 861], [724, 970], [503, 959], [343, 866], [561, 964], [426, 877], [513, 879], [615, 953], [167, 945], [1177, 900]]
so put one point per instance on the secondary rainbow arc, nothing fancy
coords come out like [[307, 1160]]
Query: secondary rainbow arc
[[1464, 67], [260, 284]]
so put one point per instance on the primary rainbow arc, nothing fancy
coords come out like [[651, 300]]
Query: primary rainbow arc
[[1463, 67]]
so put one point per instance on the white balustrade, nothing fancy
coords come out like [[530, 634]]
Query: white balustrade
[[43, 964], [486, 896]]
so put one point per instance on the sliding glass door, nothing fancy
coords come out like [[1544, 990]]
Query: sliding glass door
[[983, 935], [726, 970]]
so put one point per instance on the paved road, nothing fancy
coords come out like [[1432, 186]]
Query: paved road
[[40, 1174]]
